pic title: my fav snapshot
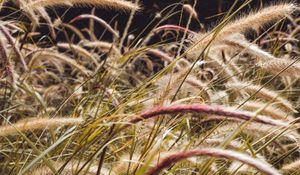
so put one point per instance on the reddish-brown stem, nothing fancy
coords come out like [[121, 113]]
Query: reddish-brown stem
[[173, 27], [213, 152], [101, 21], [206, 109]]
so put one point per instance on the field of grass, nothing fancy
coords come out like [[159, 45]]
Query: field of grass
[[220, 100]]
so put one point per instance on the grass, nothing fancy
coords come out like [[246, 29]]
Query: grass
[[189, 102]]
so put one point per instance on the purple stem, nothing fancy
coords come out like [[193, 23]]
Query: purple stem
[[173, 27], [206, 109], [212, 152]]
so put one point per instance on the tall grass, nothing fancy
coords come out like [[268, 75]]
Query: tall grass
[[171, 101]]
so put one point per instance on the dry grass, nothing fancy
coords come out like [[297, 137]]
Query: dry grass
[[191, 103], [37, 124], [117, 4]]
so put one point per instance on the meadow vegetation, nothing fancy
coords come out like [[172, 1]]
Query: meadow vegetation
[[220, 101]]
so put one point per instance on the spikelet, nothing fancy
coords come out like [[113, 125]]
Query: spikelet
[[271, 111], [263, 93], [43, 13], [226, 71], [275, 66], [239, 41], [99, 44], [12, 42], [37, 123], [189, 9], [258, 19], [104, 47], [29, 12], [255, 20], [291, 167], [160, 54], [62, 58], [116, 4], [169, 84], [79, 50]]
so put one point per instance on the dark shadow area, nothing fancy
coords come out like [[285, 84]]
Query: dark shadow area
[[153, 12]]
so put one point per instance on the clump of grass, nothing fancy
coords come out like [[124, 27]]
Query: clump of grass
[[216, 103]]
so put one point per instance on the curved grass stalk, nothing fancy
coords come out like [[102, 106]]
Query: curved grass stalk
[[255, 20], [116, 4], [101, 21], [79, 50], [206, 109], [11, 41], [38, 123], [271, 111], [213, 152], [63, 58], [264, 93]]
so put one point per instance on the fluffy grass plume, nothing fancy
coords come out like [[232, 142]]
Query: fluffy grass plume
[[116, 4], [142, 102], [258, 19], [263, 93], [37, 123], [291, 167], [254, 20], [290, 68]]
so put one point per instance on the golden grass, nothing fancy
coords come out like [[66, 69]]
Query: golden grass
[[38, 124], [147, 108], [115, 4]]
